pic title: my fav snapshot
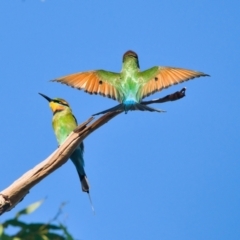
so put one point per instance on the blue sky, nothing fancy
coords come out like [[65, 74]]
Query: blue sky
[[153, 176]]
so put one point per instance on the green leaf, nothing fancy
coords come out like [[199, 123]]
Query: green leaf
[[31, 208], [54, 236], [68, 235], [34, 231], [52, 227], [1, 230], [6, 237], [40, 226], [15, 223]]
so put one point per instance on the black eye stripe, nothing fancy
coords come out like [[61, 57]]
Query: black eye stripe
[[59, 102]]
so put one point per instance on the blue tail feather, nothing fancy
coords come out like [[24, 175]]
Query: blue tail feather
[[129, 107], [119, 107], [78, 161]]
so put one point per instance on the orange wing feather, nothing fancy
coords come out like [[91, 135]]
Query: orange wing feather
[[166, 77], [92, 83]]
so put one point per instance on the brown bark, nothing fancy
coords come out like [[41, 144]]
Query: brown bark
[[13, 194]]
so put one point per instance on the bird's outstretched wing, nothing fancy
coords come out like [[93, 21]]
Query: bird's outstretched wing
[[94, 82], [157, 78]]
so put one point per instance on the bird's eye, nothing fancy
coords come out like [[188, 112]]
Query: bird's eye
[[57, 101]]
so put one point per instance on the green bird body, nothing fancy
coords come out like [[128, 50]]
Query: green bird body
[[64, 123], [131, 85]]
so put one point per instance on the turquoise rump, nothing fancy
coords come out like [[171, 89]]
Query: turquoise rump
[[131, 85]]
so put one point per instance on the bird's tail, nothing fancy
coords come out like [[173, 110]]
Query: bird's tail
[[85, 188], [137, 106], [78, 161], [119, 107], [84, 183], [141, 107]]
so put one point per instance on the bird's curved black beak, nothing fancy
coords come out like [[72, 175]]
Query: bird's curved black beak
[[46, 97]]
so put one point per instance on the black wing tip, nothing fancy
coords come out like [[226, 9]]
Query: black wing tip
[[202, 74], [55, 80]]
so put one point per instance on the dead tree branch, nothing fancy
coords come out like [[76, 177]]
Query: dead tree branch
[[171, 97], [13, 194]]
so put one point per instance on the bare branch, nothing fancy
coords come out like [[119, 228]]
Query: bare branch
[[12, 195], [171, 97]]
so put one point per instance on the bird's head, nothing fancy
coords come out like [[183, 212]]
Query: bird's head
[[130, 55], [56, 104]]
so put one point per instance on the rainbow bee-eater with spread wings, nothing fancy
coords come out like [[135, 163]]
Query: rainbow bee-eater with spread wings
[[131, 85]]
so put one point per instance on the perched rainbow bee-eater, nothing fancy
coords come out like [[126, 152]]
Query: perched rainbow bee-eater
[[64, 123], [131, 85]]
